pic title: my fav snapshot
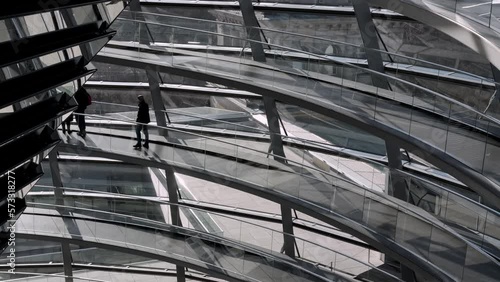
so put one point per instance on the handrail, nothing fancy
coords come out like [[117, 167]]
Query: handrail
[[144, 220], [228, 143], [400, 205], [431, 92], [162, 202], [438, 185], [489, 80], [188, 203], [441, 190], [182, 113], [365, 160], [457, 12], [317, 143], [362, 226], [135, 268], [36, 275]]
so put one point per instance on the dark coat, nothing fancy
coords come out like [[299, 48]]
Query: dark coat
[[69, 118], [143, 113], [82, 99]]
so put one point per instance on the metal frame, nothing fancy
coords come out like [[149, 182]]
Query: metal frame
[[314, 227], [112, 268], [253, 33], [159, 109], [153, 77], [402, 255], [57, 182], [474, 180], [80, 242], [470, 33], [370, 41]]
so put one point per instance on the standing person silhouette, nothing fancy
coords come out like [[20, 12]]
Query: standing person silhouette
[[84, 100], [67, 124], [143, 120]]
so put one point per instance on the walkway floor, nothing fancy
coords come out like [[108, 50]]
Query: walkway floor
[[391, 223], [222, 256], [472, 147]]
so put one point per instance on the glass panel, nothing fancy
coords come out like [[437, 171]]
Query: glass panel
[[4, 32], [447, 252], [414, 234], [37, 24], [82, 15]]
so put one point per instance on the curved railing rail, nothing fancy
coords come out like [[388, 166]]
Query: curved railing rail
[[179, 112], [264, 157], [321, 145], [439, 67], [287, 40], [322, 57], [454, 207], [103, 108], [328, 257], [27, 276], [131, 221], [485, 13], [340, 197], [103, 111], [376, 109], [305, 223]]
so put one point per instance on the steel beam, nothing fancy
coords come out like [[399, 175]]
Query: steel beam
[[56, 177], [153, 76], [158, 105], [358, 231], [368, 31], [253, 30], [272, 115], [67, 262], [57, 182], [494, 99], [369, 36], [258, 55], [159, 109], [287, 224], [398, 184], [398, 189], [173, 196]]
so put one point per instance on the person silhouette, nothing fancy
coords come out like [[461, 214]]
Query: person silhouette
[[142, 119], [84, 100]]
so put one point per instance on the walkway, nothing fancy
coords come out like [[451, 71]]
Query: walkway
[[468, 155], [221, 258], [397, 229]]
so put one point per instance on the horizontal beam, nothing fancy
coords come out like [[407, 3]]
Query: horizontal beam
[[11, 9], [489, 190]]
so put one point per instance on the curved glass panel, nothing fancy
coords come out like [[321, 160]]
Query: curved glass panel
[[438, 77], [236, 229], [410, 111], [172, 242], [362, 208], [450, 207]]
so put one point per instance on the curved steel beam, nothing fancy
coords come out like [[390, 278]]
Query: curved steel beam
[[382, 243], [142, 253], [479, 38], [201, 244], [473, 179]]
